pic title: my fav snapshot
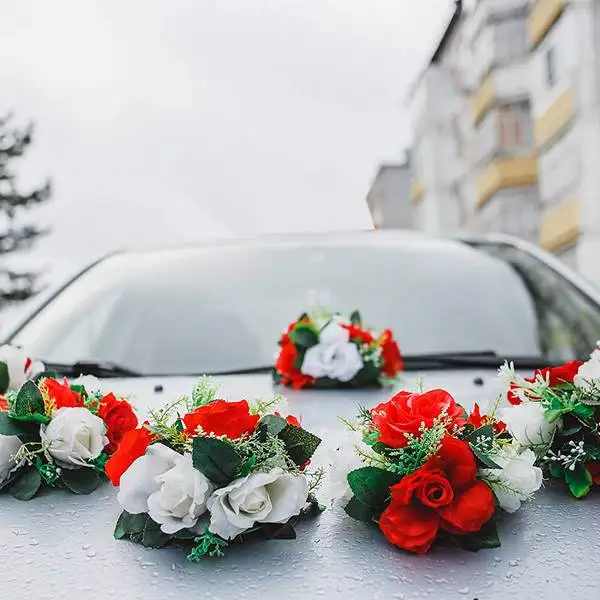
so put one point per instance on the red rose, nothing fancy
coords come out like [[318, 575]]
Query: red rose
[[478, 420], [132, 446], [594, 470], [559, 375], [358, 333], [406, 412], [61, 394], [554, 375], [231, 419], [285, 366], [442, 494], [3, 403], [119, 419], [291, 419], [390, 354]]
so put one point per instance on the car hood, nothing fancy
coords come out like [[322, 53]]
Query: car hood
[[60, 544]]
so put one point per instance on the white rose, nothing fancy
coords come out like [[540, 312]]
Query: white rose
[[75, 437], [528, 426], [20, 366], [588, 372], [340, 361], [342, 457], [272, 497], [166, 485], [333, 333], [9, 446], [518, 480]]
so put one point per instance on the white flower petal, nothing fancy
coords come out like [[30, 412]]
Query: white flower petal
[[9, 446]]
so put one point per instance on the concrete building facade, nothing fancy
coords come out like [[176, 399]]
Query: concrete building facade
[[506, 127]]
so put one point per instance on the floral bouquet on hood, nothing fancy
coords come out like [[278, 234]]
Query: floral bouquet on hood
[[209, 472], [15, 369], [58, 434], [426, 471], [556, 414], [326, 351]]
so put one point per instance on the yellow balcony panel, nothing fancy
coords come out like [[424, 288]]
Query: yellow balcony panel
[[560, 227], [504, 173], [417, 190], [543, 16], [484, 99], [555, 119]]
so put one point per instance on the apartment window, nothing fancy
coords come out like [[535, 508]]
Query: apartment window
[[514, 123], [550, 62], [511, 39]]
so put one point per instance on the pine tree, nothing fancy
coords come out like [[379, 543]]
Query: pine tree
[[15, 234]]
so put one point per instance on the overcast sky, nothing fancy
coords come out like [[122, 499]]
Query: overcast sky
[[161, 121]]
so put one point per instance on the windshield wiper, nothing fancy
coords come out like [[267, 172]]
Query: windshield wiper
[[484, 358], [247, 371], [104, 369]]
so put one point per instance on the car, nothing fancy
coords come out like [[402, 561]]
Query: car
[[149, 322]]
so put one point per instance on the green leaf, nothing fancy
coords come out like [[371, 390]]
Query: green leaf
[[80, 481], [485, 539], [355, 318], [247, 466], [583, 411], [578, 480], [27, 484], [553, 414], [299, 443], [8, 426], [367, 376], [277, 531], [482, 437], [556, 470], [304, 336], [570, 431], [4, 378], [43, 375], [216, 459], [37, 418], [153, 537], [359, 511], [371, 486], [274, 425], [29, 400], [128, 525]]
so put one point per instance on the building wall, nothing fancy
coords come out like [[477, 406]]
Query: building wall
[[389, 198]]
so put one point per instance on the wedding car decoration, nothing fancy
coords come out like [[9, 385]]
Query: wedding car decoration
[[427, 472], [326, 350], [16, 367], [556, 414], [56, 434], [208, 472]]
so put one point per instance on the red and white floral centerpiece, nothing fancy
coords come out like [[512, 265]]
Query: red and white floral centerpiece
[[210, 472], [556, 414], [425, 471], [326, 350], [56, 434]]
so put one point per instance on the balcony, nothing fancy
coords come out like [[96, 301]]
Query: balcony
[[543, 16], [560, 227], [505, 173], [555, 120], [417, 189]]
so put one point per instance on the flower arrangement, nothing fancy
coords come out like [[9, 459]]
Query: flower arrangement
[[210, 472], [54, 433], [426, 471], [556, 414], [15, 368], [325, 350]]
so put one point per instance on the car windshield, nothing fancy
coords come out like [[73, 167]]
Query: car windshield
[[192, 311]]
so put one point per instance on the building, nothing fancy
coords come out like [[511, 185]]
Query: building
[[564, 38], [389, 198], [506, 126]]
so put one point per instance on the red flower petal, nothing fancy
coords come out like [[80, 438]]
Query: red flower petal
[[470, 511], [409, 527], [457, 461]]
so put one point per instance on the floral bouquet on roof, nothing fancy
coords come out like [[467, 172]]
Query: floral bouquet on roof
[[209, 472], [326, 351], [426, 471], [56, 434], [556, 413]]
